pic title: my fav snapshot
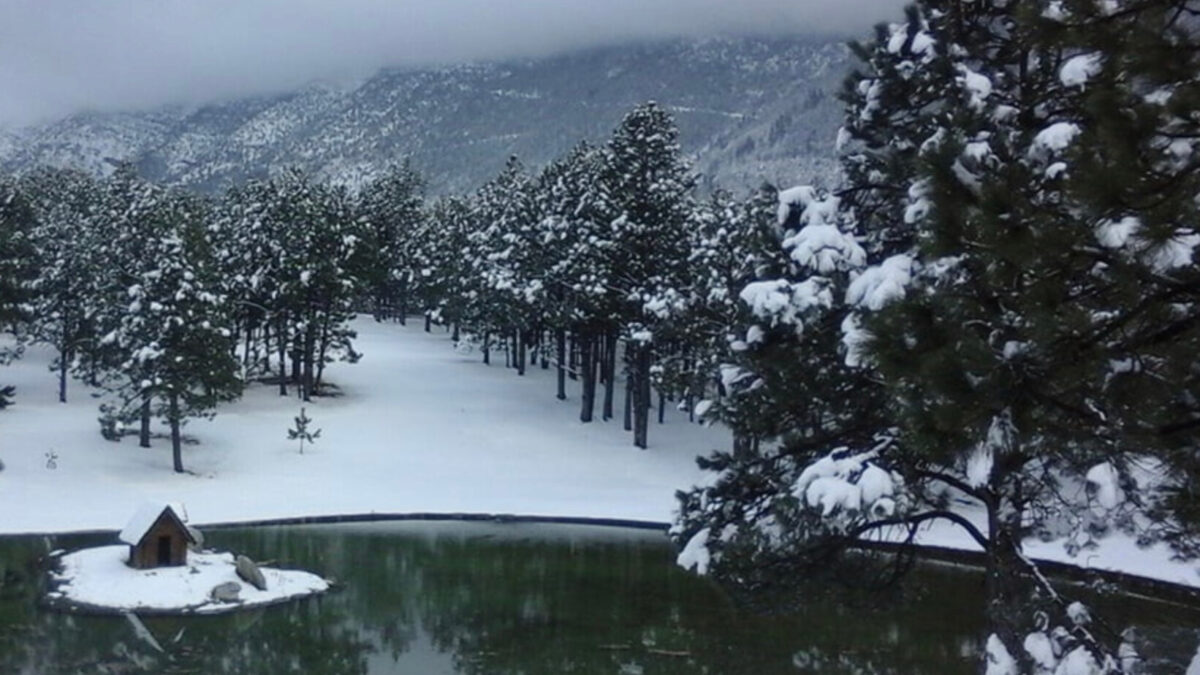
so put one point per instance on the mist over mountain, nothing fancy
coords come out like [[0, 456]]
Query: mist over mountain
[[748, 109]]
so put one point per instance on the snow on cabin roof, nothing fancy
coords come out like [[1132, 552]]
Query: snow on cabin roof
[[143, 519]]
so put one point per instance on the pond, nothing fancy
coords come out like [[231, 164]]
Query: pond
[[452, 597]]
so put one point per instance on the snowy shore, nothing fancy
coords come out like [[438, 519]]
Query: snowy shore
[[418, 429]]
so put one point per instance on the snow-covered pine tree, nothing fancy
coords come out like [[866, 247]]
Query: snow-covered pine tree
[[16, 268], [645, 187], [504, 260], [731, 244], [1133, 173], [64, 298], [392, 205], [445, 284], [582, 302], [171, 327], [295, 260], [1017, 279]]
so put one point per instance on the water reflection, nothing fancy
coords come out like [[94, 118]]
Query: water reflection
[[469, 598]]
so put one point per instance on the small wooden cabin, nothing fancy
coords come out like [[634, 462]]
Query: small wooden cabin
[[157, 537]]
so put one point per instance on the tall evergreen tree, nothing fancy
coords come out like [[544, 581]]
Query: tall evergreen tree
[[1021, 286], [645, 188], [392, 206], [16, 270], [64, 301]]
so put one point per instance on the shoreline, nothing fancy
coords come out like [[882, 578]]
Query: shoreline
[[1157, 590]]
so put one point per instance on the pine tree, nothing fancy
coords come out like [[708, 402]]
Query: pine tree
[[1012, 172], [392, 205], [64, 298], [17, 220], [165, 348], [645, 188], [301, 432]]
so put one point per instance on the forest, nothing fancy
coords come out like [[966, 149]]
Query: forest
[[995, 304]]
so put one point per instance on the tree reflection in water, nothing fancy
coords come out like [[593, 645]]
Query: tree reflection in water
[[476, 599]]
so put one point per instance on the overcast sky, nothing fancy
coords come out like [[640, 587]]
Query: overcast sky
[[61, 56]]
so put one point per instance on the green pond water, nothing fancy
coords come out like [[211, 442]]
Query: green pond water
[[450, 597]]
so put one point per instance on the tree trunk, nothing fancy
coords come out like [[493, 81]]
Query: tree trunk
[[588, 364], [642, 401], [323, 348], [403, 309], [1010, 586], [573, 357], [144, 435], [487, 348], [628, 417], [610, 373], [64, 356], [176, 439], [662, 407], [266, 364], [560, 339], [454, 336], [428, 322], [519, 347], [280, 337], [246, 349], [310, 348]]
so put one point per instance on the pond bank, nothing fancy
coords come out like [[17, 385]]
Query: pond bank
[[1150, 588]]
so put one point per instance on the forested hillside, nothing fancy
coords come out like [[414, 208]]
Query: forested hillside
[[748, 110]]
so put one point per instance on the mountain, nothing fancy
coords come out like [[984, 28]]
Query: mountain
[[748, 109]]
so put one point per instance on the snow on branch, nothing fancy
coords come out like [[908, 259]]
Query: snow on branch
[[781, 302], [880, 284]]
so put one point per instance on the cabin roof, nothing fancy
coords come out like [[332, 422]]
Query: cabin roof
[[145, 517]]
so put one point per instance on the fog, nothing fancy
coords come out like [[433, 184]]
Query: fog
[[62, 56]]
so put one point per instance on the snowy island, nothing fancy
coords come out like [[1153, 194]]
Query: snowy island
[[159, 568], [101, 580]]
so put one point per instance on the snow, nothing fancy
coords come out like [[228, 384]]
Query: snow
[[1040, 649], [880, 284], [1056, 137], [999, 661], [1079, 614], [1173, 253], [783, 302], [1103, 478], [845, 484], [694, 555], [1078, 661], [1116, 233], [100, 577], [419, 428], [825, 249], [978, 87], [979, 465], [1079, 69], [143, 519]]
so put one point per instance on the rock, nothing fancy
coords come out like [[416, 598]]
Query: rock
[[226, 592], [247, 570], [198, 536]]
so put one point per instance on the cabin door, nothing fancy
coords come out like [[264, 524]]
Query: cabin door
[[164, 550]]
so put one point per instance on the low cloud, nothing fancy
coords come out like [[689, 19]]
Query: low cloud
[[62, 56]]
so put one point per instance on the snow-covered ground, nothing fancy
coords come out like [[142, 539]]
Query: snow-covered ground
[[420, 428], [100, 577]]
